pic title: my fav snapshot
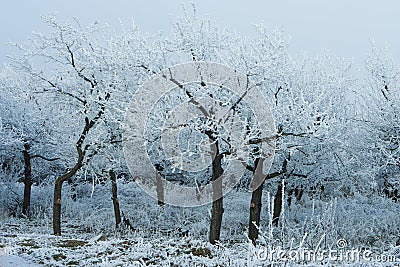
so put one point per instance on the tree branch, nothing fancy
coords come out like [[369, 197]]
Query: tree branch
[[47, 159]]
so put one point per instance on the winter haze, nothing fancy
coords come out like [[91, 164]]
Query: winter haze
[[341, 28]]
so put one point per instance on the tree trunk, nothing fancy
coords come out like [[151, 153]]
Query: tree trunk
[[114, 198], [57, 193], [57, 208], [159, 185], [255, 213], [160, 190], [256, 200], [277, 205], [27, 180], [217, 205]]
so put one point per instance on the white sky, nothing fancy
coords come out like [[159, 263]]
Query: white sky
[[341, 28]]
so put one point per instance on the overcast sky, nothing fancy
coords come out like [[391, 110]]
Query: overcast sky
[[341, 28]]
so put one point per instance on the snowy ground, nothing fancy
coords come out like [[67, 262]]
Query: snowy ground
[[177, 237], [76, 248]]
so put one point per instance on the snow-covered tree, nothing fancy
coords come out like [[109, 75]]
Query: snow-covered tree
[[74, 79], [378, 124], [307, 98], [29, 132]]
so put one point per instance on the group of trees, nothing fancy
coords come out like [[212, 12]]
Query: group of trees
[[62, 106]]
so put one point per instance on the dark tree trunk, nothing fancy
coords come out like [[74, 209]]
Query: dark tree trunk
[[255, 213], [160, 190], [217, 205], [27, 180], [256, 200], [277, 205], [256, 197], [159, 185], [57, 208], [114, 198], [57, 194]]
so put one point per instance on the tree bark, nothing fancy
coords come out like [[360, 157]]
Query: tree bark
[[217, 205], [277, 205], [57, 208], [159, 185], [256, 200], [58, 196], [255, 213], [27, 180], [160, 190], [114, 198]]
